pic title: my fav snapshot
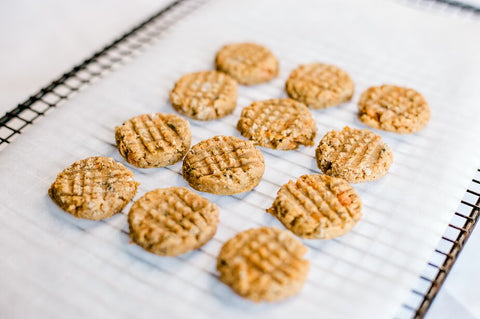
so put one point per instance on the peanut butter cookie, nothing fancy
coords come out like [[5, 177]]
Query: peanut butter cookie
[[319, 85], [393, 108], [93, 188], [282, 124], [206, 95], [354, 155], [317, 206], [172, 221], [153, 140], [248, 63], [223, 165], [263, 264]]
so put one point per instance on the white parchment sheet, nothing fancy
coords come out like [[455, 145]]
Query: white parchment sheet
[[53, 265]]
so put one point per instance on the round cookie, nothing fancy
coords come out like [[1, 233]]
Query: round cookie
[[93, 188], [319, 85], [317, 206], [223, 165], [263, 264], [172, 221], [282, 124], [153, 140], [393, 108], [206, 95], [354, 155], [248, 63]]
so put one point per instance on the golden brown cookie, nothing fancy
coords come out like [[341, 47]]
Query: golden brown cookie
[[319, 85], [354, 155], [282, 124], [153, 140], [206, 95], [93, 188], [317, 206], [223, 165], [172, 221], [248, 63], [263, 264], [393, 108]]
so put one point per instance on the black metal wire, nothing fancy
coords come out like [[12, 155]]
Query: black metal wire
[[451, 257], [459, 4], [9, 131]]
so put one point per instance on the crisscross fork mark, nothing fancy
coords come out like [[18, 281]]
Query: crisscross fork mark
[[202, 78], [315, 200], [262, 115], [267, 263], [257, 57], [251, 56], [239, 151], [387, 97], [164, 219], [361, 142], [175, 211], [303, 201], [210, 151], [325, 196], [318, 76], [332, 198], [214, 166], [301, 192], [81, 181], [141, 125], [191, 212], [347, 159]]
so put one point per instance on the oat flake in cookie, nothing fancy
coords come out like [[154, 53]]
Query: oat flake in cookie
[[172, 221], [223, 165], [206, 95], [317, 206], [319, 85], [354, 155], [153, 140], [248, 63], [263, 264], [282, 124], [94, 188], [393, 108]]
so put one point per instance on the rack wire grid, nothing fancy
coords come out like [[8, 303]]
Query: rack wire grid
[[134, 41]]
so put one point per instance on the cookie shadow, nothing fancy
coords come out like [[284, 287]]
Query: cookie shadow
[[228, 299], [64, 219]]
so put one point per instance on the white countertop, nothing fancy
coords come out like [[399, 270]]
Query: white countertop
[[41, 40]]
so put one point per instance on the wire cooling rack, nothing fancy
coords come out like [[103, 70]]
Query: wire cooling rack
[[134, 41]]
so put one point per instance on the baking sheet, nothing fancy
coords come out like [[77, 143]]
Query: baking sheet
[[54, 265]]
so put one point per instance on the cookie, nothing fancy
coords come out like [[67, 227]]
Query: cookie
[[94, 188], [354, 155], [248, 63], [206, 95], [223, 165], [153, 140], [172, 221], [317, 206], [320, 85], [263, 264], [393, 108], [282, 124]]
